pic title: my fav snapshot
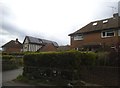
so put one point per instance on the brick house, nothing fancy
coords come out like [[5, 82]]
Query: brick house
[[98, 34], [12, 46], [48, 48], [36, 44], [64, 48]]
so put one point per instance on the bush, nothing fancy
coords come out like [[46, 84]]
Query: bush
[[9, 62], [88, 58], [65, 65]]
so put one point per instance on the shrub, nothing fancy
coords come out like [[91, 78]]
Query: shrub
[[8, 62], [65, 65], [88, 58]]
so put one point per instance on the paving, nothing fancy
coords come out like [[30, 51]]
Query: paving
[[8, 76], [12, 74]]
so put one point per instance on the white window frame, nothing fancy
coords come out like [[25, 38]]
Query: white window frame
[[106, 34], [78, 37]]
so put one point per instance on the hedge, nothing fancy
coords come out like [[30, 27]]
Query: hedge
[[9, 62], [65, 65]]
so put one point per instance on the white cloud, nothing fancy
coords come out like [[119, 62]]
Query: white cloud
[[55, 19]]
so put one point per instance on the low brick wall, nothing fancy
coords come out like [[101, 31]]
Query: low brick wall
[[107, 76]]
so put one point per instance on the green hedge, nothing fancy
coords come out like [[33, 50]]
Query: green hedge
[[68, 59], [65, 65], [9, 62]]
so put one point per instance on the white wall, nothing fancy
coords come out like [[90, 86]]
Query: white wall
[[30, 47]]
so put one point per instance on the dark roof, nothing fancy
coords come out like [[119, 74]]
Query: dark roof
[[12, 43], [99, 25], [35, 40]]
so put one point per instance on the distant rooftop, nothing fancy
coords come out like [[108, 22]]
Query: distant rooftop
[[40, 41]]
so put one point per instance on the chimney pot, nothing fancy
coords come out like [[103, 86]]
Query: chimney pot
[[115, 15], [16, 39]]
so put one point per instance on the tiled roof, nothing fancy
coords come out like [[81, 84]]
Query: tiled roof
[[40, 41], [99, 25], [12, 43]]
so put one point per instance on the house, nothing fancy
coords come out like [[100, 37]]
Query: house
[[12, 46], [36, 44], [98, 34], [48, 48], [64, 48]]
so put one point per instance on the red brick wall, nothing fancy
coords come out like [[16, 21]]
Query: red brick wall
[[11, 49], [48, 47], [96, 38]]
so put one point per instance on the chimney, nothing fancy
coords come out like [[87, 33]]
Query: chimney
[[16, 42], [16, 39], [115, 15]]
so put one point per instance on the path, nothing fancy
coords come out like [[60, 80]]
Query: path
[[12, 74]]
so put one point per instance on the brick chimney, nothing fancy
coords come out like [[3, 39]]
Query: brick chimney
[[16, 41]]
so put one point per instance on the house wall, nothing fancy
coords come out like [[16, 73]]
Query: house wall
[[48, 47], [30, 47], [33, 47], [12, 49], [95, 38]]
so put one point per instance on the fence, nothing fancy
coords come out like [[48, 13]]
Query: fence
[[102, 75]]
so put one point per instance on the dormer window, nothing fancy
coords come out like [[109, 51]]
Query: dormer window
[[94, 24], [105, 21], [78, 37]]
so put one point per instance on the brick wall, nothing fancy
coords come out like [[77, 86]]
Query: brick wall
[[95, 38]]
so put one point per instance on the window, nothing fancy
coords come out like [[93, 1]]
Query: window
[[78, 37], [107, 34], [94, 23], [105, 21]]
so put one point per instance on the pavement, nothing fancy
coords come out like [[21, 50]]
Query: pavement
[[9, 76]]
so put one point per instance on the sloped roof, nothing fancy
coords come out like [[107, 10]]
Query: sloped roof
[[99, 25], [64, 48], [35, 40], [48, 47], [12, 43]]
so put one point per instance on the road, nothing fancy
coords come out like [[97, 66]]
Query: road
[[8, 76]]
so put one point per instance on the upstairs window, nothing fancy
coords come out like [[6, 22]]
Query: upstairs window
[[78, 37], [107, 34], [94, 24], [105, 21]]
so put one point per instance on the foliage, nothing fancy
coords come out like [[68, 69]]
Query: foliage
[[62, 65], [10, 62]]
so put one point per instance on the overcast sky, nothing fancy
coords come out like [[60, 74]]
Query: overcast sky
[[50, 19]]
